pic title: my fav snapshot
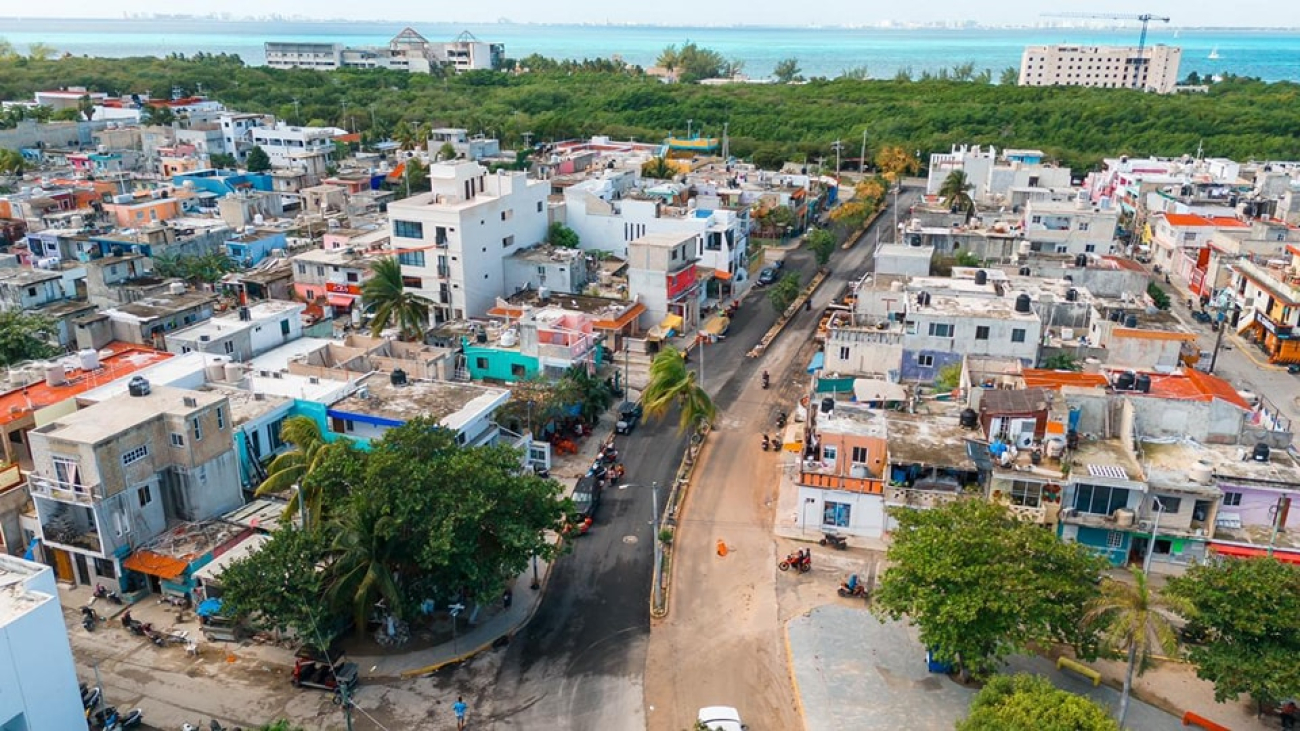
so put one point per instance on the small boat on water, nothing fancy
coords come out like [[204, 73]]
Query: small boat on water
[[1214, 53]]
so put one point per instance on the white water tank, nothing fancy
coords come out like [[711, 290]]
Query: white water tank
[[1124, 518], [234, 372], [55, 375], [1200, 472], [176, 288], [509, 338], [89, 359], [215, 371]]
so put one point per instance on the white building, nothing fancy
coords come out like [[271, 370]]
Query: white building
[[1071, 227], [37, 675], [237, 132], [243, 334], [992, 175], [1110, 67], [608, 218], [452, 241], [407, 51], [289, 146], [662, 275]]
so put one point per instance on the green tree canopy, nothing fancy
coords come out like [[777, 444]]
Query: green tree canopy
[[257, 161], [1031, 703], [822, 243], [787, 70], [981, 584], [658, 168], [784, 292], [222, 161], [195, 269], [692, 62], [25, 336], [280, 586], [558, 234], [1248, 611], [671, 384], [955, 191], [390, 304]]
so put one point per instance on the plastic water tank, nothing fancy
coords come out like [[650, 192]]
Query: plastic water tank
[[981, 277], [55, 375], [176, 288], [1201, 473], [969, 419], [89, 359], [1125, 381], [234, 372], [138, 386], [509, 338], [1260, 452], [1142, 382], [1023, 303], [1124, 517]]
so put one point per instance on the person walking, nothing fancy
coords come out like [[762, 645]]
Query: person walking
[[459, 708]]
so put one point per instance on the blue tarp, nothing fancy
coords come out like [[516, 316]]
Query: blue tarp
[[209, 608], [818, 362], [31, 550]]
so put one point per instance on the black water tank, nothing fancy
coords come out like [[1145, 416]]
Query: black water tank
[[1081, 260], [138, 386], [828, 405], [1131, 321], [1143, 383], [1115, 315], [1260, 453], [481, 337], [923, 299], [1072, 295], [981, 277], [1024, 271], [1125, 381], [969, 418], [245, 315], [1022, 303], [398, 377]]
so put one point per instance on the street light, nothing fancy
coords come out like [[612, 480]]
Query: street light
[[1151, 545], [862, 161]]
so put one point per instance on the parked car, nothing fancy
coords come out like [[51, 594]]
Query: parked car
[[629, 415], [721, 718], [315, 669], [586, 498], [767, 276]]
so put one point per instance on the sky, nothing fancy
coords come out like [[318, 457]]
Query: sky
[[1249, 13]]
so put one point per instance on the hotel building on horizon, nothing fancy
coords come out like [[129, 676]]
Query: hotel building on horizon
[[407, 51], [1109, 67]]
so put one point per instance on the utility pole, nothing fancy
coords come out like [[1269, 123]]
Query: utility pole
[[726, 143], [862, 161], [688, 128], [838, 146], [1283, 503], [297, 113], [627, 366]]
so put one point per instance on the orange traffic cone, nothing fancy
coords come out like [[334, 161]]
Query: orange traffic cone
[[722, 548]]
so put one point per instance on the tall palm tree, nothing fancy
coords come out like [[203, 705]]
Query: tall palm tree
[[11, 162], [658, 168], [390, 304], [956, 190], [671, 382], [293, 467], [589, 391], [364, 564], [1133, 619]]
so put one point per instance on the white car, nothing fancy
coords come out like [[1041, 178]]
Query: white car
[[721, 718]]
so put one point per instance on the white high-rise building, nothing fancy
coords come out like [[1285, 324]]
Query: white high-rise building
[[38, 680], [452, 241], [1110, 67]]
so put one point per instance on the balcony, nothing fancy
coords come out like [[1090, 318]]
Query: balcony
[[62, 534], [67, 492], [914, 498]]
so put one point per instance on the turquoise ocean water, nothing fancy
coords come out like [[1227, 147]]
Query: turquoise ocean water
[[1270, 55]]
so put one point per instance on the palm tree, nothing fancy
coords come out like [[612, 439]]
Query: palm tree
[[956, 190], [11, 162], [671, 382], [658, 168], [293, 467], [1133, 619], [363, 564], [589, 391], [386, 296]]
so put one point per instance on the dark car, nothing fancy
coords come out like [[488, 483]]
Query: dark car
[[586, 498], [629, 414], [767, 276]]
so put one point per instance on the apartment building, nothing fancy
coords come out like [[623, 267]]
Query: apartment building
[[1070, 227], [995, 174], [407, 51], [116, 474], [1108, 67], [1268, 293], [246, 333], [335, 275], [290, 146], [452, 241], [663, 275]]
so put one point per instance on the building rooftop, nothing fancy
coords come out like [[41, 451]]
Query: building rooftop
[[258, 315], [853, 419], [548, 253], [342, 257], [1104, 458], [936, 441], [246, 406], [603, 309], [1232, 461], [1190, 384], [1042, 378], [105, 419], [171, 553], [450, 404], [117, 360], [278, 359], [662, 239], [15, 598], [159, 305], [26, 277], [1168, 464], [258, 513], [180, 371]]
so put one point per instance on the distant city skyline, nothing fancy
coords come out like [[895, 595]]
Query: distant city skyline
[[1244, 13]]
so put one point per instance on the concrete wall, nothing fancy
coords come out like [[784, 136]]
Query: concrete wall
[[36, 667], [863, 352], [866, 512], [30, 134]]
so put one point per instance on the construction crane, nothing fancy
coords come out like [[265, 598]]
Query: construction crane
[[1145, 19]]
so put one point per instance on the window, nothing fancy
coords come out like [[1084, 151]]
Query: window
[[198, 429], [981, 332], [408, 229], [836, 514], [353, 277], [1231, 499], [410, 258], [859, 455], [481, 363], [284, 327], [1089, 248], [105, 568], [122, 526], [1172, 504], [1024, 493], [925, 361], [909, 328], [135, 455], [830, 454], [539, 206], [844, 352], [1114, 539], [517, 370], [508, 241], [320, 271], [145, 495], [230, 346], [941, 329], [1036, 219], [273, 434], [507, 214], [1189, 236], [1018, 335], [221, 419], [178, 440], [1083, 225], [1099, 500]]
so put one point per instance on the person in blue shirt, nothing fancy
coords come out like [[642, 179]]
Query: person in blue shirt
[[459, 709]]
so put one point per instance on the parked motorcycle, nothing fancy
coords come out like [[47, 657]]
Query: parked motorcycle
[[852, 587], [834, 540], [766, 380], [90, 697], [781, 420], [799, 559], [102, 592], [767, 443], [89, 619], [130, 720]]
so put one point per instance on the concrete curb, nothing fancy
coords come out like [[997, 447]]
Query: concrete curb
[[671, 517], [794, 675], [788, 315], [861, 231]]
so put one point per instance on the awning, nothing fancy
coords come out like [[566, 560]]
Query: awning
[[818, 362], [672, 322], [153, 564], [1251, 552], [340, 300], [722, 274]]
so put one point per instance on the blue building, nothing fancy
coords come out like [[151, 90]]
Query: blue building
[[252, 247]]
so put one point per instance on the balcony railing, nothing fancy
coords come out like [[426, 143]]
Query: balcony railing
[[61, 536], [68, 492], [918, 498]]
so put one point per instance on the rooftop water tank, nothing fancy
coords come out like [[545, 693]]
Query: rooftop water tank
[[1125, 381], [89, 358], [1260, 452], [1201, 473], [981, 277], [397, 377], [1072, 295], [1081, 260], [969, 419], [1131, 321], [1024, 271], [1142, 382], [55, 375], [1022, 303], [138, 386]]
